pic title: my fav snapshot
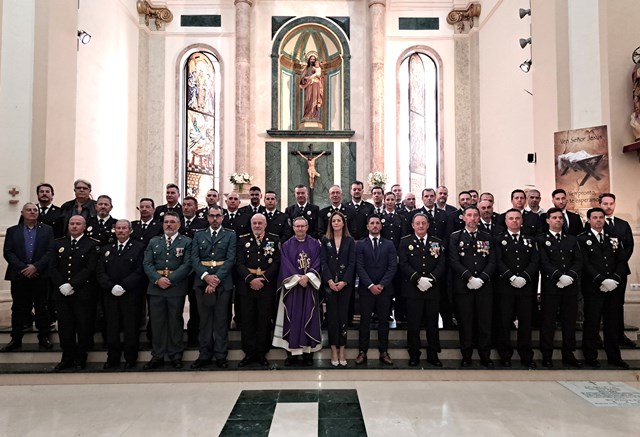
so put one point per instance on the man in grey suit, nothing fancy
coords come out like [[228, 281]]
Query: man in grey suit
[[213, 256], [167, 263]]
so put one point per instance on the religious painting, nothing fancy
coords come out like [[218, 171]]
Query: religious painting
[[200, 124], [582, 165]]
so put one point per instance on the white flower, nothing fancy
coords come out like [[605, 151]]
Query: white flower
[[240, 178], [377, 179]]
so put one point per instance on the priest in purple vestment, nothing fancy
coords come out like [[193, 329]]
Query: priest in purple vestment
[[298, 320]]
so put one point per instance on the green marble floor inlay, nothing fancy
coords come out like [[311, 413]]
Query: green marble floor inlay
[[339, 412]]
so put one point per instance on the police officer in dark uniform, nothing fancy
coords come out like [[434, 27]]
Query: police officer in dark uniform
[[517, 261], [604, 265], [531, 223], [422, 265], [335, 197], [172, 195], [437, 217], [472, 259], [73, 274], [277, 222], [124, 284], [147, 227], [488, 219], [254, 207], [394, 227], [304, 209], [212, 199], [101, 226], [49, 214], [362, 208], [454, 219], [257, 264], [233, 218], [560, 268]]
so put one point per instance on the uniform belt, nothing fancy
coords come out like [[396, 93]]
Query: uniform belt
[[257, 271], [165, 272], [211, 263]]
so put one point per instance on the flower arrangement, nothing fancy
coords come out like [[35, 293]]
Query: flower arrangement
[[240, 178], [377, 179]]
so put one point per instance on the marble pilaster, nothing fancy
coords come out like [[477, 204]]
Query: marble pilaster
[[467, 104], [377, 16], [151, 98], [243, 83]]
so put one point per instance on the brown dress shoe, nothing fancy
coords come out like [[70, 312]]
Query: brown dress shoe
[[362, 358], [386, 359]]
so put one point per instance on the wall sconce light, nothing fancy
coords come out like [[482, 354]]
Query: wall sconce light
[[526, 66], [84, 37], [524, 42], [524, 12]]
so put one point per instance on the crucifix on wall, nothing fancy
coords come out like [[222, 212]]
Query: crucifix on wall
[[311, 157]]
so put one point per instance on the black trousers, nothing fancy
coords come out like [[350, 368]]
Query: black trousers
[[381, 304], [602, 306], [123, 315], [417, 311], [520, 305], [257, 312], [474, 311], [623, 288], [567, 303], [27, 294], [338, 314], [76, 324]]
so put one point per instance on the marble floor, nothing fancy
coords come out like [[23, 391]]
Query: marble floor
[[338, 408]]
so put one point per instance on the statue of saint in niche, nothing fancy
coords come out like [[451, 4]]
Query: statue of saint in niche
[[635, 115], [311, 83]]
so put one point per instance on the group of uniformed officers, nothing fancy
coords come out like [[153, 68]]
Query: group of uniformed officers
[[467, 267]]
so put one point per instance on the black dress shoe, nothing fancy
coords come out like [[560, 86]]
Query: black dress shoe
[[530, 364], [129, 365], [592, 363], [245, 361], [307, 359], [487, 363], [291, 361], [627, 342], [619, 363], [414, 361], [176, 363], [45, 343], [62, 365], [506, 363], [466, 362], [222, 363], [262, 360], [154, 363], [110, 364], [13, 345], [198, 364], [434, 361], [571, 361], [547, 363], [81, 365]]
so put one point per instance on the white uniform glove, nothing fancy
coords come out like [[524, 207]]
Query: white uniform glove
[[559, 284], [609, 285], [566, 280], [424, 283], [475, 283], [117, 290], [66, 289], [518, 281]]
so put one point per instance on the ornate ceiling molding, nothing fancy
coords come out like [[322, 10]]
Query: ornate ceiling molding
[[161, 14], [462, 17]]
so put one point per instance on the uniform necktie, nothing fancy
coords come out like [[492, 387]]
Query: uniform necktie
[[378, 210], [144, 226], [474, 235], [422, 242], [515, 237], [488, 225], [600, 238], [43, 210], [609, 222], [101, 222], [187, 223], [375, 243], [565, 223], [232, 216], [169, 240], [74, 243], [270, 215], [120, 248], [558, 237], [255, 210], [430, 213], [214, 234]]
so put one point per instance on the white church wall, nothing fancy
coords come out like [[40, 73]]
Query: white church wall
[[506, 127]]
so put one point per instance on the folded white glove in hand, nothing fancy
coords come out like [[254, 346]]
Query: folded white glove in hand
[[424, 283], [117, 290], [559, 284], [66, 289], [609, 284], [518, 282], [566, 280], [475, 283]]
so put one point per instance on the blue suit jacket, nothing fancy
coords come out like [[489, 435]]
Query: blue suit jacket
[[377, 267], [222, 249], [16, 256]]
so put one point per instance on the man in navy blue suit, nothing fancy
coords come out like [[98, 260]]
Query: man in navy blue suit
[[28, 249], [377, 263]]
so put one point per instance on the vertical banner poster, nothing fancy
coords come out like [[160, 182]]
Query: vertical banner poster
[[582, 165]]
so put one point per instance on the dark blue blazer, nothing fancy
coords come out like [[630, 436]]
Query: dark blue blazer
[[376, 268], [16, 256], [339, 266]]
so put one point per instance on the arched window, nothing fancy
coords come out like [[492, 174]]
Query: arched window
[[418, 130], [201, 132]]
